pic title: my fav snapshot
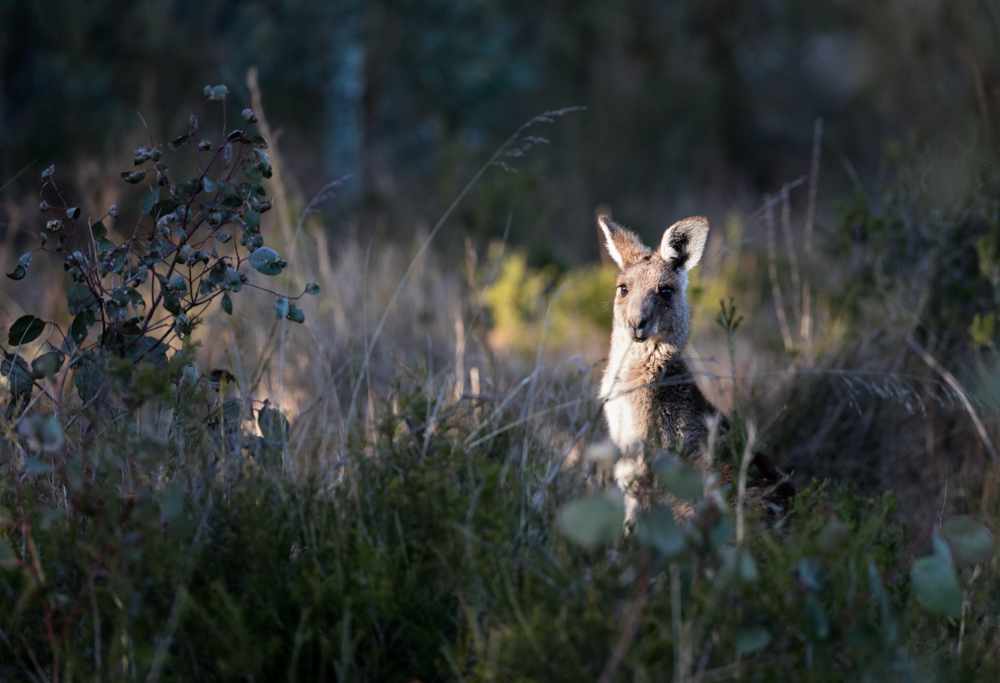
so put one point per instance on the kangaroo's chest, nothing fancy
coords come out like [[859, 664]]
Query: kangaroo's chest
[[628, 422], [628, 389]]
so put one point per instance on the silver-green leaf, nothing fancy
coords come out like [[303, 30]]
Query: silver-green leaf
[[683, 482], [657, 529], [970, 541], [267, 261], [751, 638], [936, 586], [592, 522], [281, 307]]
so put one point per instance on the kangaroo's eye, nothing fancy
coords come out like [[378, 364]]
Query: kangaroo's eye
[[623, 289], [665, 292]]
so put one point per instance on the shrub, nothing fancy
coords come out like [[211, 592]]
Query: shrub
[[144, 287]]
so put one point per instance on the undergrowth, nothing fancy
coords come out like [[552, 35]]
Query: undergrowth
[[418, 557]]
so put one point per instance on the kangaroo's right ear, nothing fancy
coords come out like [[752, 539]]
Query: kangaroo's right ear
[[624, 245], [684, 242]]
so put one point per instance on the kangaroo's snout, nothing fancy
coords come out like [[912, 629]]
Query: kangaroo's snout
[[639, 328]]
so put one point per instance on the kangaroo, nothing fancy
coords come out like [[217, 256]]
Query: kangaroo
[[646, 380]]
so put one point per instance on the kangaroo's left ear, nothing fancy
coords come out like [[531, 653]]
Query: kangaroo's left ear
[[684, 242]]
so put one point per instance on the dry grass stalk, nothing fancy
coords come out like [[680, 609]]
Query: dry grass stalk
[[459, 356], [957, 388], [793, 259], [772, 270], [805, 331], [748, 455]]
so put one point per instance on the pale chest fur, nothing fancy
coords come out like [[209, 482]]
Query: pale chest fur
[[628, 388]]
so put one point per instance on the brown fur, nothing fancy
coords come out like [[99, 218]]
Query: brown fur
[[645, 377]]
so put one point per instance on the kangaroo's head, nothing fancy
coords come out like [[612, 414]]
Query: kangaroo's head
[[650, 302]]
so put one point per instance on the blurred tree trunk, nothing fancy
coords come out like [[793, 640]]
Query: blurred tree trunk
[[344, 100]]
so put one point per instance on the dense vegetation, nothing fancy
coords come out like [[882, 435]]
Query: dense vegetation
[[160, 521], [419, 556]]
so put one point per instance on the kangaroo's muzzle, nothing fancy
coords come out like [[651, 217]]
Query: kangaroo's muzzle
[[640, 328]]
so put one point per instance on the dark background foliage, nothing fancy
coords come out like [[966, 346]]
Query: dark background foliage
[[691, 106]]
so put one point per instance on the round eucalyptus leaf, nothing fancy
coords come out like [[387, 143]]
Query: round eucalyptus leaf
[[273, 425], [79, 297], [267, 261], [295, 314], [148, 200], [281, 307], [657, 529], [25, 329], [81, 324], [172, 502], [751, 638], [683, 482], [748, 567], [42, 433], [970, 541], [15, 369], [46, 365], [22, 266], [592, 522], [936, 586]]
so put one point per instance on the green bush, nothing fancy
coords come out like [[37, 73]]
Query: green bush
[[142, 293]]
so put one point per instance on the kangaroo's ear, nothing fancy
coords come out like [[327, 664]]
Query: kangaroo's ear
[[684, 242], [624, 245]]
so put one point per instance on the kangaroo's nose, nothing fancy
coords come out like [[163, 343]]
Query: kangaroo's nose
[[639, 328]]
